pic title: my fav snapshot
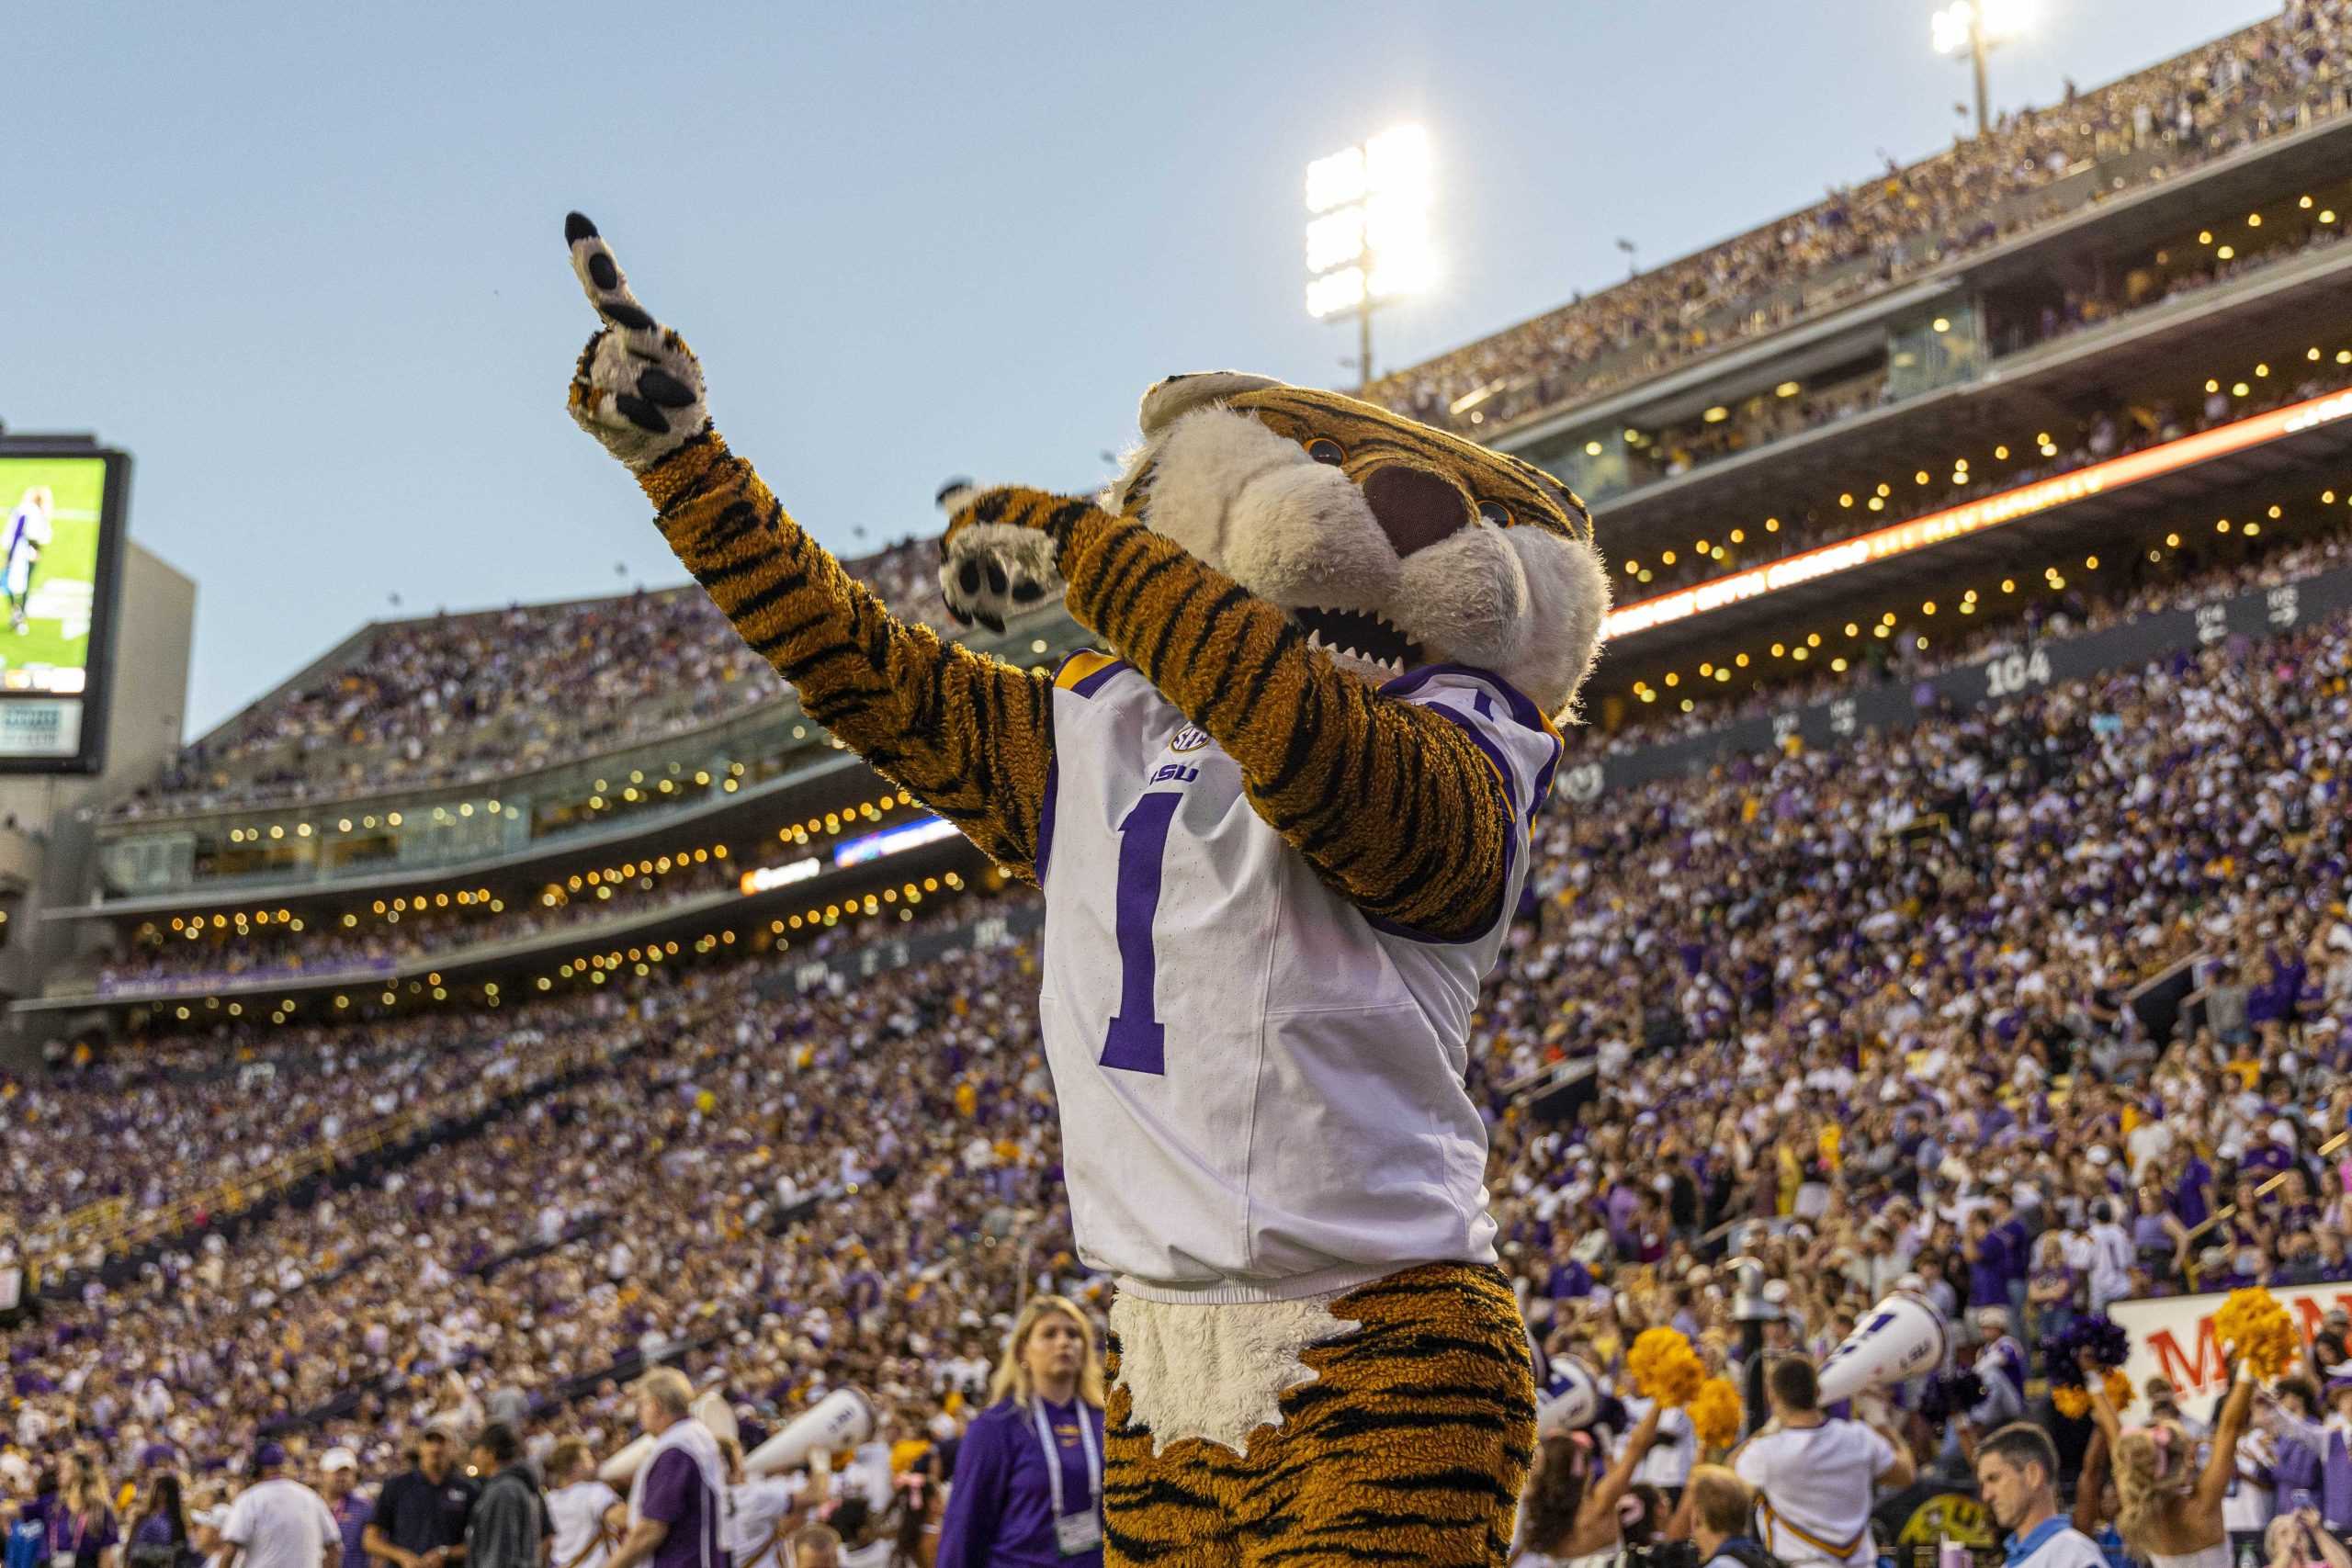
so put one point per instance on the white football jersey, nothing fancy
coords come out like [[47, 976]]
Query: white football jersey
[[1261, 1089]]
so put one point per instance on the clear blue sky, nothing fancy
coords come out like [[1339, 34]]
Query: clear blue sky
[[305, 260]]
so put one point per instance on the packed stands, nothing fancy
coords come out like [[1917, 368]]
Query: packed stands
[[1959, 1003], [2108, 433], [1832, 992], [2196, 571], [2035, 166], [451, 698]]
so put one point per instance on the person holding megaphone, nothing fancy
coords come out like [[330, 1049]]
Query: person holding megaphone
[[1813, 1476], [675, 1516]]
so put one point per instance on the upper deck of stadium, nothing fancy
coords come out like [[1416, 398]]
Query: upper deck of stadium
[[2040, 277], [2037, 169]]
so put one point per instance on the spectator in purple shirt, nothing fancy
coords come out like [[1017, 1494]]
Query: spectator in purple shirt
[[2017, 1251], [676, 1505], [1988, 1264], [1040, 1438], [83, 1526], [339, 1477]]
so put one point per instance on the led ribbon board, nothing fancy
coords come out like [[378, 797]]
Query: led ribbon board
[[769, 877], [893, 841], [1993, 511]]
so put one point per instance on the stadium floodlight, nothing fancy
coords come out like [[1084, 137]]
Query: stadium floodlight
[[1368, 232], [1972, 27]]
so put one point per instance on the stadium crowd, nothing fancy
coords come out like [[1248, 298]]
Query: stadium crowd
[[2108, 433], [1749, 424], [2035, 165], [445, 699], [122, 1138], [2200, 572], [1864, 1014], [214, 956]]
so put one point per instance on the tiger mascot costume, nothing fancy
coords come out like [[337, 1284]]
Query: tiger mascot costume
[[1281, 825]]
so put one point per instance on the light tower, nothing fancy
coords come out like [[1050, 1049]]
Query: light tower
[[1368, 232], [1974, 27]]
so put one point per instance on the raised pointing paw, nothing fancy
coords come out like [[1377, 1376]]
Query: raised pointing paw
[[638, 388], [998, 556]]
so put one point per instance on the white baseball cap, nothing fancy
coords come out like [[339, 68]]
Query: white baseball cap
[[338, 1459]]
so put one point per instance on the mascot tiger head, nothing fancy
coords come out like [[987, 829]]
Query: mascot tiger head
[[1391, 545]]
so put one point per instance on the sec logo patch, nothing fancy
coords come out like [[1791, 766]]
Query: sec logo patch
[[1191, 738]]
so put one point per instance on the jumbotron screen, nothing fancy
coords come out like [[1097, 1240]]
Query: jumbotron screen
[[60, 522]]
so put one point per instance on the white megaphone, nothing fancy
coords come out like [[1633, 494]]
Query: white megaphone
[[711, 1410], [621, 1469], [718, 1417], [1568, 1400], [1903, 1337], [841, 1420]]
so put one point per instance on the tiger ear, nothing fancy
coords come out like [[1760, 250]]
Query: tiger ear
[[1181, 394]]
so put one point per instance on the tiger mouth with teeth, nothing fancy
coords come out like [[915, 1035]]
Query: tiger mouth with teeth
[[1363, 636]]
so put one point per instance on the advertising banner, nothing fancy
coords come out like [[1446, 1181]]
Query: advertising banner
[[2172, 1336]]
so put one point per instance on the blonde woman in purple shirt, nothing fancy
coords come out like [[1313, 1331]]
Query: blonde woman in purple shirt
[[1028, 1485]]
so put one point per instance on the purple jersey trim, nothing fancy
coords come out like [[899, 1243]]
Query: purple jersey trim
[[1046, 815], [1522, 708], [1088, 685]]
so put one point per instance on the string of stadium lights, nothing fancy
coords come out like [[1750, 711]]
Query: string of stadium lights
[[595, 967], [1999, 508], [2226, 252], [2054, 579], [555, 895]]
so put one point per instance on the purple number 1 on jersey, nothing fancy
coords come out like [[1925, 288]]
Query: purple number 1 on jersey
[[1137, 1041]]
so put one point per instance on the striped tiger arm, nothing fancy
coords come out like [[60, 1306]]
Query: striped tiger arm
[[968, 735], [1390, 802]]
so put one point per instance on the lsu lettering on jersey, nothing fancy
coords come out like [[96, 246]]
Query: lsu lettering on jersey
[[1261, 1091]]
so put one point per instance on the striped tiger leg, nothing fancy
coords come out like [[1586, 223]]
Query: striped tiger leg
[[1409, 1447]]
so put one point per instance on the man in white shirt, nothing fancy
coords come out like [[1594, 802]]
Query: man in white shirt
[[1814, 1477], [277, 1522], [2017, 1472]]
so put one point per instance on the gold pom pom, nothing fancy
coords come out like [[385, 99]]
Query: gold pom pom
[[1663, 1367], [2253, 1325], [2072, 1402], [1714, 1414], [2119, 1389]]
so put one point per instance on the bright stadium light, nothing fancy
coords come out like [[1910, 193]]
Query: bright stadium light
[[1972, 27], [1368, 235]]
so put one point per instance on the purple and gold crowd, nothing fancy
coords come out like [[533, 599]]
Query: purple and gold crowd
[[1867, 1014]]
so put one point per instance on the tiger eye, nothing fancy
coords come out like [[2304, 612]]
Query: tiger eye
[[1323, 449], [1495, 512]]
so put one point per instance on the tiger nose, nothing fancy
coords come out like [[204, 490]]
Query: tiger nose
[[1414, 507]]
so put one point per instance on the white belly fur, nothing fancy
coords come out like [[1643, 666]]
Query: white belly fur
[[1216, 1372]]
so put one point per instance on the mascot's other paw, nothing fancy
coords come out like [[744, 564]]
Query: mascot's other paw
[[638, 388], [1001, 552]]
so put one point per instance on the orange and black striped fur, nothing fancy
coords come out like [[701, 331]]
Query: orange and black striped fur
[[1410, 1446], [1269, 554], [1392, 804]]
